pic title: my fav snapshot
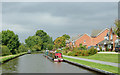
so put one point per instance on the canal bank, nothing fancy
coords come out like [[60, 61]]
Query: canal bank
[[103, 69], [84, 66], [10, 57]]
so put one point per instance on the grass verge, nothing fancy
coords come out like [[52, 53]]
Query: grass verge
[[5, 58], [103, 57], [95, 65]]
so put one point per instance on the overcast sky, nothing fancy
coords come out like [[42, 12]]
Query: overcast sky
[[57, 18]]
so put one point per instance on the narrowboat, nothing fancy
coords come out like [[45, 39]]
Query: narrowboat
[[56, 56]]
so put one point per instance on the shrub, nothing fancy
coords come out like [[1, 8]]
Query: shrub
[[92, 51], [69, 53], [76, 52], [58, 50], [82, 47], [100, 48], [107, 49], [5, 51], [86, 53], [64, 52]]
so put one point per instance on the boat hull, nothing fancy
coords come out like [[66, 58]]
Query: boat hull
[[58, 60]]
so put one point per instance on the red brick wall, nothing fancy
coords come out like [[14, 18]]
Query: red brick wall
[[100, 37], [81, 40]]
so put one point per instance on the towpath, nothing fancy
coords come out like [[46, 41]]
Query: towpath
[[96, 61]]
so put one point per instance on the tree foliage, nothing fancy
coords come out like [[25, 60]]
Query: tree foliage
[[34, 42], [45, 38], [60, 42], [67, 37], [22, 48], [117, 30], [10, 39], [50, 46], [4, 50]]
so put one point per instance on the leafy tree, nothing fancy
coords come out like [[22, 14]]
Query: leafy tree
[[50, 46], [0, 38], [67, 37], [10, 39], [4, 50], [60, 42], [34, 42], [45, 38], [117, 30], [22, 48]]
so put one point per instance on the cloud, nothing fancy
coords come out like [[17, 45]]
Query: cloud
[[57, 18]]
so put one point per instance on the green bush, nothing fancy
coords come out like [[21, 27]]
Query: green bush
[[69, 53], [22, 48], [82, 47], [107, 49], [76, 52], [4, 51], [92, 51], [58, 50], [100, 48]]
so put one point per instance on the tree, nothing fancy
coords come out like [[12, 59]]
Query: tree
[[50, 46], [10, 39], [60, 42], [67, 37], [22, 48], [0, 38], [117, 30], [4, 50], [45, 38], [34, 42]]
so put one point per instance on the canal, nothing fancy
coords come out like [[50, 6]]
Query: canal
[[37, 63]]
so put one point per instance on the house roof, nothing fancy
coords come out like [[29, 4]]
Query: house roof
[[107, 42], [74, 38], [95, 33]]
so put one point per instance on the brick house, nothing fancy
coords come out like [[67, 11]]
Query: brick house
[[109, 39], [104, 38], [85, 39]]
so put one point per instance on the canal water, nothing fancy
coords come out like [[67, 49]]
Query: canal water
[[37, 63]]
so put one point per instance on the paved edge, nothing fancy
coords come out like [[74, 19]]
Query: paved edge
[[90, 68]]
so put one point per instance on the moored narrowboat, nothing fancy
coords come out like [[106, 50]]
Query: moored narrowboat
[[56, 56]]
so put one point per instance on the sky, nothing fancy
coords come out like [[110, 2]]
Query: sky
[[57, 18]]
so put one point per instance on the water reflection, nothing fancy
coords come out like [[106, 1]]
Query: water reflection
[[37, 63], [10, 66]]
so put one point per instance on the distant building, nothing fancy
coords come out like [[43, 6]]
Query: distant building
[[104, 38]]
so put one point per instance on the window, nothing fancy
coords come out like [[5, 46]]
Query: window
[[84, 41]]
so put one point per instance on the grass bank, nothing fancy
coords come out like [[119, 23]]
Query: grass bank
[[103, 57], [6, 58], [95, 65]]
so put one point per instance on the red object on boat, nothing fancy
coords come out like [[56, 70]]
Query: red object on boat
[[59, 55]]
